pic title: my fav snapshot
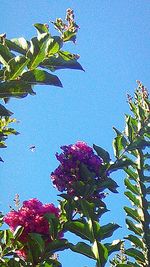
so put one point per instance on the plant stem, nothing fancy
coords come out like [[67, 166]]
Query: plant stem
[[144, 207], [99, 253]]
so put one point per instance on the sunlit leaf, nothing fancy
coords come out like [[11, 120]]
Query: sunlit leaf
[[136, 254], [41, 28], [19, 45], [131, 174], [136, 228], [136, 241], [135, 201], [5, 55], [54, 44], [100, 252], [131, 127], [131, 187], [80, 229], [16, 66], [18, 231], [37, 51], [133, 213], [41, 77]]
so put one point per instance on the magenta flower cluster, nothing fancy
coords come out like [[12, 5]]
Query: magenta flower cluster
[[69, 169], [31, 217]]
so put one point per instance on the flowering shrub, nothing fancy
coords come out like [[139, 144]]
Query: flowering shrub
[[31, 217], [68, 172]]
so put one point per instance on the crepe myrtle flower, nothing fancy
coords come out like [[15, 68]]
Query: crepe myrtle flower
[[31, 216], [68, 170]]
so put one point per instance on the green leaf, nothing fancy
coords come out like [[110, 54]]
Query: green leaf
[[131, 174], [140, 143], [15, 89], [140, 112], [148, 190], [37, 238], [13, 263], [123, 265], [41, 77], [4, 111], [147, 167], [131, 264], [87, 208], [131, 127], [18, 232], [131, 187], [108, 183], [51, 263], [133, 213], [69, 36], [136, 241], [2, 145], [136, 254], [1, 161], [147, 131], [133, 107], [114, 246], [121, 163], [107, 230], [53, 225], [19, 45], [41, 28], [54, 45], [118, 145], [123, 140], [57, 245], [135, 201], [134, 228], [16, 66], [7, 237], [5, 55], [37, 51], [80, 229], [102, 153], [100, 252], [146, 179], [57, 62], [82, 248], [2, 74]]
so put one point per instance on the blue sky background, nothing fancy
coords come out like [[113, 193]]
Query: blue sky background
[[113, 43]]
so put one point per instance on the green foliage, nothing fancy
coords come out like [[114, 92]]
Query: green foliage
[[43, 51], [5, 130], [88, 227], [134, 143], [22, 63]]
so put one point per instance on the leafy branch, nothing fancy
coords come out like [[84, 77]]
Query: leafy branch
[[135, 145], [24, 64]]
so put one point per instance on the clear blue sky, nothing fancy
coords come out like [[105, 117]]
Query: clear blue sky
[[113, 43]]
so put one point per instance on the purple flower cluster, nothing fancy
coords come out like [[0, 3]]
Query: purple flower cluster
[[69, 169]]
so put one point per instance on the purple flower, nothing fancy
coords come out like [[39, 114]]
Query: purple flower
[[70, 160]]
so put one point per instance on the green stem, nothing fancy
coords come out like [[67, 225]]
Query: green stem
[[99, 253], [144, 207]]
